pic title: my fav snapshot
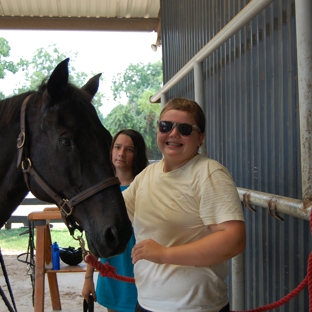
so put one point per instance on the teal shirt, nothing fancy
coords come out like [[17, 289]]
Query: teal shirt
[[114, 294]]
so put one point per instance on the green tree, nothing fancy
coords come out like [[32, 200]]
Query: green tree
[[136, 79], [4, 64], [149, 113], [41, 66], [138, 84]]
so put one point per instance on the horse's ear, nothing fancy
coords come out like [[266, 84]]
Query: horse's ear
[[58, 81], [92, 85]]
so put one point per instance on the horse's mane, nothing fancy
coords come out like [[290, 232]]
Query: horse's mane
[[10, 108]]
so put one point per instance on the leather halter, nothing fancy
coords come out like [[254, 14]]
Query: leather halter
[[66, 206]]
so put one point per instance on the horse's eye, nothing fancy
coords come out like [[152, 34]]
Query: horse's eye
[[66, 142]]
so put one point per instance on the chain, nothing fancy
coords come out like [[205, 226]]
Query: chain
[[82, 244]]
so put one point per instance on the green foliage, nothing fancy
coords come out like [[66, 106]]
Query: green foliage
[[138, 83], [137, 79], [43, 63], [5, 65], [40, 68], [126, 116], [97, 103], [13, 240], [4, 47]]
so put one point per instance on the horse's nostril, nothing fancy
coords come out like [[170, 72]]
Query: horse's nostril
[[111, 237]]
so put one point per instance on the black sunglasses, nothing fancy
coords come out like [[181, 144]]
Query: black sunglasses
[[183, 128]]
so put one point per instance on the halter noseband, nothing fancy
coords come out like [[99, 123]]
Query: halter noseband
[[28, 168]]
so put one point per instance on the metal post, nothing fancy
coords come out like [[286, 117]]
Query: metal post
[[304, 52], [199, 94], [163, 99], [238, 283], [199, 83]]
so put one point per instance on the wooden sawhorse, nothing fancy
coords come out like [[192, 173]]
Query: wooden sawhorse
[[43, 259]]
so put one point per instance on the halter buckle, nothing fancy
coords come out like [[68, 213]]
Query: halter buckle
[[65, 202]]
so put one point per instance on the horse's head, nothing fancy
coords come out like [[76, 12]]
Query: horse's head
[[70, 150]]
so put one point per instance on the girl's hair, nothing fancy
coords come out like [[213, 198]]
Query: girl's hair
[[140, 160], [189, 106]]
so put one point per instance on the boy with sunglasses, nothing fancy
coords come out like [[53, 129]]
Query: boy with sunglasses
[[187, 218]]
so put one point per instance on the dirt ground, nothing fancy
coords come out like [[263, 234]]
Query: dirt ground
[[70, 286]]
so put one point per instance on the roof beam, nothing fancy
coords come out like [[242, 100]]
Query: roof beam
[[73, 23]]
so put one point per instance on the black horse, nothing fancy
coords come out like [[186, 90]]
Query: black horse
[[54, 145]]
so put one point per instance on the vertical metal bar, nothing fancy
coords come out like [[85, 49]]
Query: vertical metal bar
[[199, 83], [163, 99], [238, 283], [304, 52], [199, 94]]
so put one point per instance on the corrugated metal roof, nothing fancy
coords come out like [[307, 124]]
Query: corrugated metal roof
[[129, 15]]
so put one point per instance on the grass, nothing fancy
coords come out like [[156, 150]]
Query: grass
[[13, 240]]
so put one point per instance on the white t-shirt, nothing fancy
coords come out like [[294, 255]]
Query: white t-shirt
[[176, 208]]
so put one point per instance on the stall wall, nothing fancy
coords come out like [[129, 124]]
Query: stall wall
[[251, 105]]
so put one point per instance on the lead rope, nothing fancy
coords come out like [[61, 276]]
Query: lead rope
[[109, 271], [104, 269]]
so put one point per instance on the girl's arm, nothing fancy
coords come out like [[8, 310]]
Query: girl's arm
[[227, 240]]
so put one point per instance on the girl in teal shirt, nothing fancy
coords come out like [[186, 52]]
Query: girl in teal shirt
[[128, 156]]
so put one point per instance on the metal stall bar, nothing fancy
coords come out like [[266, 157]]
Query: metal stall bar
[[304, 55], [274, 203], [199, 94], [253, 8]]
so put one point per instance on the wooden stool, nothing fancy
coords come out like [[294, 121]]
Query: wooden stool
[[43, 259]]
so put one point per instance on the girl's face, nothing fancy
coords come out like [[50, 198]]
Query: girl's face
[[123, 153], [178, 149]]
